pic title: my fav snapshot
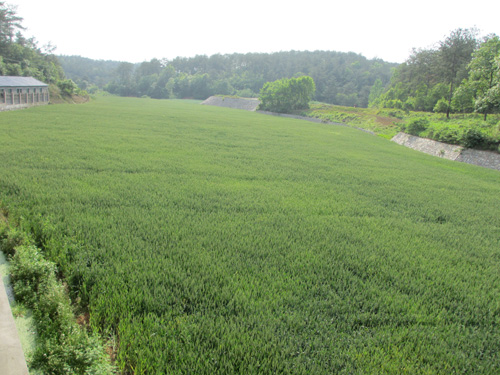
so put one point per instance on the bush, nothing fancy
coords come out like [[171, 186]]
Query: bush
[[62, 346], [441, 106], [76, 353], [10, 238], [287, 95], [31, 274], [392, 113], [4, 229], [472, 137], [409, 105], [447, 135], [416, 126], [246, 93], [68, 87]]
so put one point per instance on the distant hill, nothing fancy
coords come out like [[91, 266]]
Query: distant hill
[[86, 72], [341, 78]]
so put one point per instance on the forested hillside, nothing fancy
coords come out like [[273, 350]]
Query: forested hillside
[[89, 74], [21, 56], [460, 74], [341, 78]]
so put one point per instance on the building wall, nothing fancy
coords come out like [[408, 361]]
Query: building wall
[[22, 97]]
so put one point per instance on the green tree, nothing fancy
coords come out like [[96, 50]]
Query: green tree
[[285, 95], [455, 53], [20, 55], [10, 23], [67, 87], [463, 98], [200, 85], [484, 75], [376, 90], [430, 76]]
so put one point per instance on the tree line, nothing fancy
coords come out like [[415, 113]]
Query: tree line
[[460, 74], [341, 78], [21, 56]]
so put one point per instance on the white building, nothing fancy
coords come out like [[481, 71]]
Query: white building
[[22, 92]]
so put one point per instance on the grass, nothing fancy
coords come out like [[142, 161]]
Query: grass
[[388, 122], [210, 240], [383, 122]]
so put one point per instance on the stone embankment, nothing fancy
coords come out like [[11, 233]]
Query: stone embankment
[[487, 159], [248, 104]]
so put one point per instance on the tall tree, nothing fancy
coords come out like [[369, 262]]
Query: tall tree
[[455, 53], [10, 23], [375, 92], [20, 56], [484, 75]]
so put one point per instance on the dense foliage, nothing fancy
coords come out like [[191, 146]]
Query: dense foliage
[[469, 130], [214, 241], [287, 95], [20, 56], [461, 74], [62, 347], [90, 75], [466, 130], [341, 78]]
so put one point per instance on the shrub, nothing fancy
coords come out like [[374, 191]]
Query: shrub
[[287, 95], [75, 353], [62, 346], [67, 86], [392, 113], [416, 126], [447, 135], [246, 93], [4, 228], [31, 274], [409, 105], [441, 106], [10, 238], [472, 137]]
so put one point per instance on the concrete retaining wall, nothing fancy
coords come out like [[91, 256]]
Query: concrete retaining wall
[[12, 361], [487, 159]]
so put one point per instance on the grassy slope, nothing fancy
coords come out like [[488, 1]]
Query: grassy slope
[[221, 241], [382, 122], [387, 122]]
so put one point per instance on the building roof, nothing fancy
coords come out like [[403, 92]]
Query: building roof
[[9, 81]]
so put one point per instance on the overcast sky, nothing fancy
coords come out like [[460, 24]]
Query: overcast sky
[[137, 31]]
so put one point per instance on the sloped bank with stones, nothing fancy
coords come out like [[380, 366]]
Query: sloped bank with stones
[[487, 159], [248, 104]]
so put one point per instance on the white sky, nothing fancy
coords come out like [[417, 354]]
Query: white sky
[[137, 31]]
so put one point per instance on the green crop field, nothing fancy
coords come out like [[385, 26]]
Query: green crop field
[[215, 241]]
